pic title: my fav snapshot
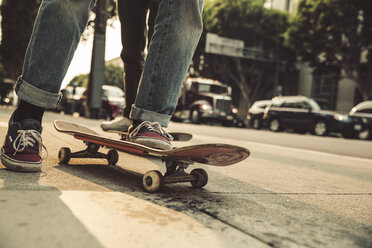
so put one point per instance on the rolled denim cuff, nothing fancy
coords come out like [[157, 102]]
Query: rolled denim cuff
[[138, 114], [36, 96]]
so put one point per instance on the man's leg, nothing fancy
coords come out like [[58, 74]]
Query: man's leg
[[57, 30], [178, 28], [132, 15]]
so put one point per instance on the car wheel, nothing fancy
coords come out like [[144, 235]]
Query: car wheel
[[364, 135], [274, 125], [320, 128], [195, 116], [257, 124]]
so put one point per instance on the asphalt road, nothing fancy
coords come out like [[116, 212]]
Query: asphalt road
[[294, 191]]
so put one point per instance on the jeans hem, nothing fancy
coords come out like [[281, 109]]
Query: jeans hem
[[138, 114], [31, 94]]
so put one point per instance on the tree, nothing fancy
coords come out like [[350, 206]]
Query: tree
[[111, 13], [335, 36], [80, 80], [113, 76], [249, 21], [17, 22]]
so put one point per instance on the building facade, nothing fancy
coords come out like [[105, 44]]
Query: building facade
[[330, 90]]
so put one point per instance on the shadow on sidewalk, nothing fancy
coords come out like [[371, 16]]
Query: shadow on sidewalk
[[33, 215]]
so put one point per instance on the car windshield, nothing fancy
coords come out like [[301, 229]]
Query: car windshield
[[210, 88]]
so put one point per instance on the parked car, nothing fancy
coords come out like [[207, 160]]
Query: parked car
[[70, 98], [113, 102], [205, 99], [364, 111], [255, 113], [303, 114]]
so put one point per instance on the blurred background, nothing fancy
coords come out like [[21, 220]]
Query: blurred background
[[252, 56]]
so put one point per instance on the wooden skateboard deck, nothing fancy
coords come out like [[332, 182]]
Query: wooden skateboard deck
[[176, 160], [177, 136]]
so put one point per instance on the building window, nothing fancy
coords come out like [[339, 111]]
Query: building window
[[324, 90]]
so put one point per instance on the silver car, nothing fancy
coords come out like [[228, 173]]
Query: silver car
[[364, 111]]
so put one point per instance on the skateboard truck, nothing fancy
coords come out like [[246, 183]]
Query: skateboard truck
[[65, 154]]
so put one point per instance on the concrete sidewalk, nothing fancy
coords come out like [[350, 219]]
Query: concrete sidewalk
[[90, 204]]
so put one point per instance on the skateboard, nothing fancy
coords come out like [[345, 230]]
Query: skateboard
[[177, 136], [176, 160]]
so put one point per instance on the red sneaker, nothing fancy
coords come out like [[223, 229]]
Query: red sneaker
[[22, 147], [150, 134]]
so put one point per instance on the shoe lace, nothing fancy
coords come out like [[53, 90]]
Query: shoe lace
[[27, 138], [151, 126]]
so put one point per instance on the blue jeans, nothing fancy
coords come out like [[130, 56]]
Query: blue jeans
[[57, 31]]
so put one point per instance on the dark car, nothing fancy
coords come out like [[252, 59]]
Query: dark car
[[364, 111], [303, 114], [255, 113], [70, 98], [113, 102]]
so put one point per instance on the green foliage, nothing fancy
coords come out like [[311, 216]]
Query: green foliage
[[111, 14], [80, 80], [113, 76], [335, 36], [17, 22]]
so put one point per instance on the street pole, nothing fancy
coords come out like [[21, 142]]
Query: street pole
[[97, 69]]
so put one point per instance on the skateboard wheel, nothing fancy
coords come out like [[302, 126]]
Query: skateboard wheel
[[64, 155], [152, 181], [112, 157], [201, 178]]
